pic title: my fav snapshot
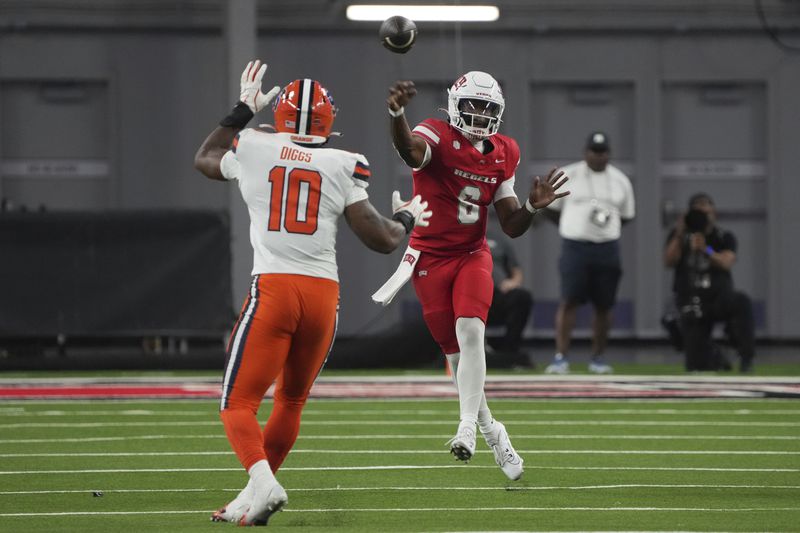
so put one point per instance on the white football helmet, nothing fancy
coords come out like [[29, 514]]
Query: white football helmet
[[475, 104]]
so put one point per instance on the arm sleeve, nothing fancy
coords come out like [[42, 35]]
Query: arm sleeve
[[356, 194], [361, 172], [429, 132], [505, 190], [229, 166], [628, 210]]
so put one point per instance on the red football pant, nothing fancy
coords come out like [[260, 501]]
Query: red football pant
[[285, 332], [453, 287]]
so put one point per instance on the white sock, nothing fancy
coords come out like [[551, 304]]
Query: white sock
[[261, 474], [485, 419], [471, 374]]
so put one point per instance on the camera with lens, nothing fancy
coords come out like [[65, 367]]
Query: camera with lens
[[599, 216], [696, 221]]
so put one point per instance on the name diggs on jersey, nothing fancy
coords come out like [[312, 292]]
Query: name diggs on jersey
[[474, 177], [293, 154]]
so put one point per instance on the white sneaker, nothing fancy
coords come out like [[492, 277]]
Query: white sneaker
[[558, 366], [236, 509], [600, 367], [462, 446], [266, 501], [505, 455]]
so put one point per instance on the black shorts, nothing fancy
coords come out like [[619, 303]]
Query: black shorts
[[590, 272]]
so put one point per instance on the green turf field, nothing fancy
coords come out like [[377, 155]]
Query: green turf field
[[368, 465]]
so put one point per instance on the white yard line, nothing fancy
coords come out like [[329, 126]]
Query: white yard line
[[407, 452], [391, 467], [110, 439], [121, 412], [369, 401], [680, 423], [401, 489], [430, 509], [444, 436]]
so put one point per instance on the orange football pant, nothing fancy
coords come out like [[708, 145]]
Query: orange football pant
[[285, 333]]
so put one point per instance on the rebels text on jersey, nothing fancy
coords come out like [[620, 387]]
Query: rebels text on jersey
[[295, 195], [460, 183]]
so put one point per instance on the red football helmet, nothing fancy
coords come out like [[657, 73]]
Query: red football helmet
[[306, 110]]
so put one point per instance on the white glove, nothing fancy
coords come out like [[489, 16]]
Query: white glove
[[415, 207], [251, 87]]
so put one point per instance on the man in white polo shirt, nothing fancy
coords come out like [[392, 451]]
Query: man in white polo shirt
[[589, 222]]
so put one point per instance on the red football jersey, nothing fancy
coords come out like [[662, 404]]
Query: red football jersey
[[459, 184]]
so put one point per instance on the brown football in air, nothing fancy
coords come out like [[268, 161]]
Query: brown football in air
[[398, 34]]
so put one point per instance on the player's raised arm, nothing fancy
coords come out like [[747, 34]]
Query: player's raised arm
[[410, 147], [382, 234], [515, 219], [251, 100]]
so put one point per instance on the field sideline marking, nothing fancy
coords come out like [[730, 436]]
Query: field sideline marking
[[426, 509], [359, 489], [562, 411], [18, 411], [680, 423], [495, 400], [401, 452], [444, 436], [436, 378], [390, 467]]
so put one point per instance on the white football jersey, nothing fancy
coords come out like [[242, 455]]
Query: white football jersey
[[295, 196]]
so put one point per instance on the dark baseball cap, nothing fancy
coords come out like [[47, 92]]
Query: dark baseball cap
[[597, 142], [700, 196]]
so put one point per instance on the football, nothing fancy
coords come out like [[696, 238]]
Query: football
[[398, 34]]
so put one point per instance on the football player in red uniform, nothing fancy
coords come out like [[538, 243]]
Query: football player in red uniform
[[461, 167]]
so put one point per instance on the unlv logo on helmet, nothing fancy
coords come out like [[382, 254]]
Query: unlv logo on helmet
[[460, 82], [305, 108]]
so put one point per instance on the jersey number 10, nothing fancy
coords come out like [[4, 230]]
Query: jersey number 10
[[299, 209]]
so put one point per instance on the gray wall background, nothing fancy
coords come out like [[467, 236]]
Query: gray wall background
[[103, 104]]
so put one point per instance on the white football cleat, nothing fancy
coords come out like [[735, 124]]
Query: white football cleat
[[236, 509], [558, 366], [505, 455], [462, 446], [267, 500], [598, 366]]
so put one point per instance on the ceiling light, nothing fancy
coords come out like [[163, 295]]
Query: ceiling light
[[441, 13]]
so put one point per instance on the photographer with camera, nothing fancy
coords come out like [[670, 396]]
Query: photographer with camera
[[702, 255], [590, 223]]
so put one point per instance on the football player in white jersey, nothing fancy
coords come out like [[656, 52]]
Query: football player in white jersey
[[295, 191]]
